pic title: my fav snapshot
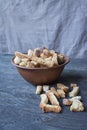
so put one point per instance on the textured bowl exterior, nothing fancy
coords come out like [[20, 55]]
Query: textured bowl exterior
[[41, 75]]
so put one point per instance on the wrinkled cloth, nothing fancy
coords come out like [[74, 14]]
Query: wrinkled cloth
[[57, 24]]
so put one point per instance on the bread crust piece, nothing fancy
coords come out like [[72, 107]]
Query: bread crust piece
[[46, 88], [52, 98], [62, 87], [60, 58], [44, 100], [30, 53], [69, 101], [55, 58], [75, 98], [54, 91], [39, 89], [17, 60], [21, 55], [77, 106], [61, 93], [74, 92], [73, 85], [51, 108]]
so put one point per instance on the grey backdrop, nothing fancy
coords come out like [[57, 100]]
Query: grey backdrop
[[57, 24]]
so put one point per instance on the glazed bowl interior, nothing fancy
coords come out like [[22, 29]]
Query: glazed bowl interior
[[38, 76]]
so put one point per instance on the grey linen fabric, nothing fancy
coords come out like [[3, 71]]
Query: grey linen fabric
[[57, 24]]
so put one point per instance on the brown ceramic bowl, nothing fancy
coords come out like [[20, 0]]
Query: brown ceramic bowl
[[40, 76]]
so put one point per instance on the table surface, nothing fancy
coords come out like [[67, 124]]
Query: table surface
[[19, 105]]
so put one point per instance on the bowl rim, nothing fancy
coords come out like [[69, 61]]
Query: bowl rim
[[67, 60]]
